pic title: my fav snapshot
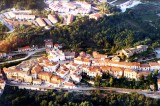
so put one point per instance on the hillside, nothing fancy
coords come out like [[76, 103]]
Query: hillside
[[134, 27], [108, 34], [21, 4]]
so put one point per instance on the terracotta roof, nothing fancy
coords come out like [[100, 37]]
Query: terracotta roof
[[144, 65], [26, 47], [154, 64], [63, 67], [56, 78], [116, 69], [97, 15], [5, 70], [10, 70], [106, 68], [2, 81], [43, 58], [94, 69], [37, 80], [82, 54], [54, 82], [132, 63], [83, 59], [68, 84], [144, 73], [125, 63], [62, 72], [98, 55], [158, 81], [42, 73], [129, 70], [36, 69], [74, 64]]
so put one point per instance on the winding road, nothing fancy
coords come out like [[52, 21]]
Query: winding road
[[28, 55], [6, 24]]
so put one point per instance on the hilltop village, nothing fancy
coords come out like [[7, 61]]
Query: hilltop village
[[65, 69], [63, 12]]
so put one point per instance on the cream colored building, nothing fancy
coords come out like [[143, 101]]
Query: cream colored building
[[130, 74], [37, 81], [131, 51]]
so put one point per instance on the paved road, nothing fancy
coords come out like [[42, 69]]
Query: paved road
[[47, 86], [28, 55], [6, 24], [151, 94]]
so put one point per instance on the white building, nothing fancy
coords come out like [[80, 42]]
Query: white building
[[50, 67], [62, 73], [52, 18], [26, 17], [37, 82], [56, 55], [69, 85], [40, 22], [82, 61], [145, 67], [154, 66], [158, 84], [76, 78], [69, 55]]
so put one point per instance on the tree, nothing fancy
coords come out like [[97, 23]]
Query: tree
[[86, 103], [111, 81], [50, 103], [104, 8], [141, 78], [43, 103], [155, 73], [97, 80]]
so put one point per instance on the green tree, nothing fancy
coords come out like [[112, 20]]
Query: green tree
[[104, 8], [155, 72], [97, 80], [86, 103], [50, 103], [111, 81], [43, 103]]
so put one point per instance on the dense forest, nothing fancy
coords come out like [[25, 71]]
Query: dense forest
[[20, 97], [108, 34]]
